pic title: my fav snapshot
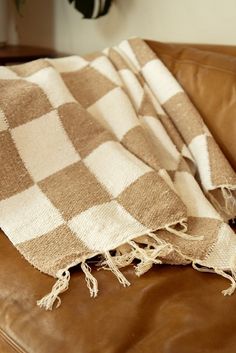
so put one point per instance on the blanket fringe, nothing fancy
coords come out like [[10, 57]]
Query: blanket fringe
[[148, 250], [111, 265], [123, 260], [91, 281], [60, 286], [230, 290], [147, 256]]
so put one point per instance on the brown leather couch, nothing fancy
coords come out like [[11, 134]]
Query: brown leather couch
[[168, 310]]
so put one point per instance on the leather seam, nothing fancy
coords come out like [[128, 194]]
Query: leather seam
[[203, 66], [11, 342]]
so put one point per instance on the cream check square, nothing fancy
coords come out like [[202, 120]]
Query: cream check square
[[119, 120], [44, 146], [68, 64], [160, 80], [115, 167], [28, 215], [103, 65], [7, 74], [106, 226], [52, 84]]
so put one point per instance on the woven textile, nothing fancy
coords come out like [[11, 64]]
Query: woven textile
[[106, 156]]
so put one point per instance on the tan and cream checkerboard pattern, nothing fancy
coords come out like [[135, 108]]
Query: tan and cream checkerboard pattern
[[98, 157]]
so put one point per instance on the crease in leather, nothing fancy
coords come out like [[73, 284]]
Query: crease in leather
[[12, 343], [223, 50], [229, 50], [203, 66]]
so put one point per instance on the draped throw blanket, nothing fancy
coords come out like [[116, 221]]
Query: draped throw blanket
[[105, 155]]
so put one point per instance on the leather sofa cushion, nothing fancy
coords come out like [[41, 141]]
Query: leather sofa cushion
[[209, 78]]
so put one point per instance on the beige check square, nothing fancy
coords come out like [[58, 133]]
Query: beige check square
[[90, 79], [84, 132], [146, 209], [73, 190], [17, 178], [24, 108], [52, 251]]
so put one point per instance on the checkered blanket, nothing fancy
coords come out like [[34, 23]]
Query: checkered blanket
[[106, 156]]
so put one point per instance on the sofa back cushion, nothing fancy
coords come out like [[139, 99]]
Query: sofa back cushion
[[209, 78]]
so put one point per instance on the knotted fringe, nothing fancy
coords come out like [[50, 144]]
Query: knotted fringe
[[147, 249], [111, 265], [146, 259], [91, 281], [148, 256], [60, 286], [231, 278]]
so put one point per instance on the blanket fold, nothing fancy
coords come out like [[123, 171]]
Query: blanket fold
[[105, 155]]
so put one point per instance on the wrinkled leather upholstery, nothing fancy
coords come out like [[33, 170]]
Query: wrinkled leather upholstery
[[209, 78], [169, 309]]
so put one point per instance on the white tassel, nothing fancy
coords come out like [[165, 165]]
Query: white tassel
[[124, 260], [60, 286], [143, 267], [222, 273], [148, 257], [112, 266], [91, 281], [232, 287]]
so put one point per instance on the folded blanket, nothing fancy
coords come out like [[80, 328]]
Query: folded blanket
[[106, 156]]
